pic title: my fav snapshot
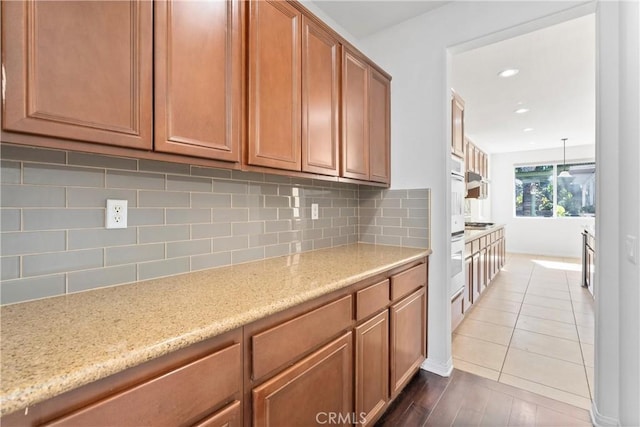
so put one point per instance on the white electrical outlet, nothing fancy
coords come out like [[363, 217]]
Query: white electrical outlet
[[314, 211], [116, 216]]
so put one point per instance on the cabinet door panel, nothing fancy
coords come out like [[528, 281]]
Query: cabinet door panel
[[229, 416], [408, 338], [274, 85], [372, 366], [320, 383], [320, 99], [79, 70], [457, 126], [379, 126], [355, 129], [198, 78]]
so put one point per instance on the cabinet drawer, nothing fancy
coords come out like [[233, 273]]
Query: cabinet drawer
[[475, 246], [407, 281], [277, 346], [372, 299], [468, 248], [178, 397], [483, 241]]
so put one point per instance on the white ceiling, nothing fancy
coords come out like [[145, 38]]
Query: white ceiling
[[364, 17], [556, 82]]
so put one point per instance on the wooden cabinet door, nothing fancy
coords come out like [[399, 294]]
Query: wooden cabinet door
[[457, 126], [320, 99], [372, 367], [198, 78], [483, 266], [408, 338], [79, 70], [469, 276], [274, 85], [379, 126], [355, 125], [476, 270], [320, 383]]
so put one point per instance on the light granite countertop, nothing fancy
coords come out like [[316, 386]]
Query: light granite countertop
[[470, 235], [54, 345]]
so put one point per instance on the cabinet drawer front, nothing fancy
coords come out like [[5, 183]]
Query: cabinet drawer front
[[178, 397], [275, 347], [475, 246], [468, 248], [407, 281], [372, 299]]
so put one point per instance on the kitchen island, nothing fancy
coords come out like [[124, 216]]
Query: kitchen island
[[55, 345]]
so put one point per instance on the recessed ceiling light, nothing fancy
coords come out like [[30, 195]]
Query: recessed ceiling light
[[509, 72], [527, 129], [521, 110]]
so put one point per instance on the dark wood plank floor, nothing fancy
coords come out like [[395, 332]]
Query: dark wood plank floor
[[465, 399]]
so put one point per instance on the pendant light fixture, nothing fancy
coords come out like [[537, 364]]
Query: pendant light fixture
[[565, 173]]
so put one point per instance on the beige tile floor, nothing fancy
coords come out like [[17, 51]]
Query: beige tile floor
[[533, 328]]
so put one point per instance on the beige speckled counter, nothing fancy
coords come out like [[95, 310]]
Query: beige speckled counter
[[470, 235], [57, 344]]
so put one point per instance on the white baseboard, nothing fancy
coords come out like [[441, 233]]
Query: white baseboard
[[442, 369], [599, 420]]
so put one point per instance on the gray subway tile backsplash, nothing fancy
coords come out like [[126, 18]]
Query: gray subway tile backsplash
[[99, 277], [100, 237], [32, 288], [10, 219], [61, 262], [9, 267], [62, 175], [149, 199], [21, 243], [163, 233], [181, 218], [10, 172], [61, 219], [167, 267], [78, 197], [27, 196]]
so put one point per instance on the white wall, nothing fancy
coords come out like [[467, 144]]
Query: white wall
[[539, 236], [629, 309], [416, 54]]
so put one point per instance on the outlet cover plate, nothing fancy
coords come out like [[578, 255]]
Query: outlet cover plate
[[116, 215]]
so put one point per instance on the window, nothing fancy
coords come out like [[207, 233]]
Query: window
[[540, 191]]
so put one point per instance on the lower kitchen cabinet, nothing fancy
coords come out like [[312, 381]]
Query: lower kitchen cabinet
[[315, 387], [372, 367], [483, 262], [338, 359], [408, 338], [200, 385]]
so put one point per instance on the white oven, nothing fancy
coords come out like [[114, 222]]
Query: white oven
[[458, 193], [457, 264]]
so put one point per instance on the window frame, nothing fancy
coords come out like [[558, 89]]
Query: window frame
[[555, 165]]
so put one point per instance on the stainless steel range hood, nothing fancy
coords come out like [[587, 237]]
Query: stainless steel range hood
[[477, 186]]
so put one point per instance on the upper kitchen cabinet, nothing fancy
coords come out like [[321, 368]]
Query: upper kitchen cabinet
[[198, 60], [457, 125], [294, 83], [365, 120], [274, 85], [379, 126], [79, 70], [320, 99], [355, 126]]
